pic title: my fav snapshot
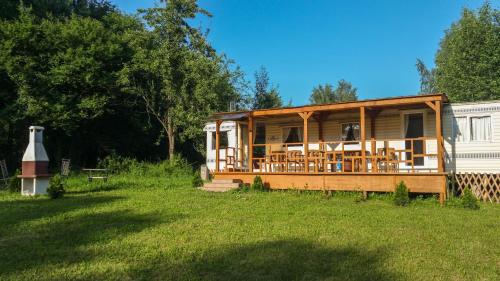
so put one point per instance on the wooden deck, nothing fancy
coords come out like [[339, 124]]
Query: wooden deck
[[418, 183]]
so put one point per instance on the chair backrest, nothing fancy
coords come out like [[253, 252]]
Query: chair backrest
[[65, 167], [4, 172]]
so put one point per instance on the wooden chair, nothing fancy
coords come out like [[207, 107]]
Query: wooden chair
[[387, 159], [295, 159], [4, 172], [65, 167], [230, 159], [332, 158]]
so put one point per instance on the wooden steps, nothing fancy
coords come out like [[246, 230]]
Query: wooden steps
[[221, 185]]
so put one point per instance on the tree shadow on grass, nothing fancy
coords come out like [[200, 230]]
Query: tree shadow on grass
[[276, 260], [18, 211], [60, 242]]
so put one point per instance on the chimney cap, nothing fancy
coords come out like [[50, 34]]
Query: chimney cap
[[36, 128]]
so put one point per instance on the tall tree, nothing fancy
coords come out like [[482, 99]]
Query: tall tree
[[427, 78], [177, 74], [326, 94], [468, 61], [265, 95], [322, 94]]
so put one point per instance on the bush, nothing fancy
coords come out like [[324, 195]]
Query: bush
[[197, 181], [177, 166], [117, 164], [469, 200], [15, 182], [56, 187], [401, 197], [257, 184]]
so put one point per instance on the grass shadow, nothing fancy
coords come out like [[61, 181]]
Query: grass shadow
[[276, 260], [63, 241]]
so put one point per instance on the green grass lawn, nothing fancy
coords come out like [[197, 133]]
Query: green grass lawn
[[162, 229]]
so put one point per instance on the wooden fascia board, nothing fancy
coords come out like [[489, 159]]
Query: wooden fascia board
[[353, 105]]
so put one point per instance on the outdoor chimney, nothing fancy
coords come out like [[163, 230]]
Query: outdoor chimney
[[35, 167]]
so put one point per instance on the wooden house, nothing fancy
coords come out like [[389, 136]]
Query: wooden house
[[368, 145]]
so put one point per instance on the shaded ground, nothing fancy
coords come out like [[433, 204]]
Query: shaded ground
[[161, 229]]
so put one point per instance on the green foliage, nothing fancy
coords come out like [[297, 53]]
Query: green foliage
[[174, 166], [197, 181], [15, 182], [56, 187], [257, 184], [427, 78], [401, 197], [469, 57], [469, 200], [326, 94], [265, 95]]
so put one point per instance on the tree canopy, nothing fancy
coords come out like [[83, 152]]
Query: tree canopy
[[468, 60], [326, 94], [265, 95]]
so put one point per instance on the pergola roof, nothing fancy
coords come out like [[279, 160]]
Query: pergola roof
[[369, 104]]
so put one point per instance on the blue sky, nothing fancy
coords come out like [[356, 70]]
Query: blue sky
[[372, 44]]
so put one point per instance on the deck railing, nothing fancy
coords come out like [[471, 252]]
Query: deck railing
[[408, 155]]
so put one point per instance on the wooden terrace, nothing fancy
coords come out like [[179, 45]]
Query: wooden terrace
[[374, 162]]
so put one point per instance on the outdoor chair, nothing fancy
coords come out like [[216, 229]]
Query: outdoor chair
[[4, 172], [65, 167]]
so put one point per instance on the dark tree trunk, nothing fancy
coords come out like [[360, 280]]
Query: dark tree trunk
[[171, 139]]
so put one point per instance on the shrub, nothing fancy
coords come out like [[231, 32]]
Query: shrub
[[15, 182], [469, 200], [56, 187], [257, 184], [197, 181], [401, 197], [117, 164]]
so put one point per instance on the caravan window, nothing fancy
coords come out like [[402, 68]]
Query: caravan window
[[223, 141], [480, 128], [292, 134], [460, 128], [350, 131]]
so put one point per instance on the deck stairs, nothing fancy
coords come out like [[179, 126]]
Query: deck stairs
[[221, 185]]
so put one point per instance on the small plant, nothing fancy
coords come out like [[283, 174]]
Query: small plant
[[56, 187], [15, 182], [257, 184], [359, 196], [197, 181], [401, 197], [469, 201]]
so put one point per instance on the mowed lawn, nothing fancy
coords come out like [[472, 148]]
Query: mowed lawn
[[136, 228]]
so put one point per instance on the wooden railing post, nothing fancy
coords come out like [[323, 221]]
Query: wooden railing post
[[362, 124], [217, 145], [305, 116], [250, 143]]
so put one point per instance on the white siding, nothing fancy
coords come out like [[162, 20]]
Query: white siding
[[472, 156]]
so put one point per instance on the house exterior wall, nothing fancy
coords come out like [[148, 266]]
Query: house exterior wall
[[472, 156], [231, 128]]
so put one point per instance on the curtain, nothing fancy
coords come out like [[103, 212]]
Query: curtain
[[299, 133], [480, 129], [286, 133], [407, 124], [460, 128]]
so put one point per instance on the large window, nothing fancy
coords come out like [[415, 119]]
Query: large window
[[460, 129], [223, 141], [480, 128], [292, 134], [350, 131]]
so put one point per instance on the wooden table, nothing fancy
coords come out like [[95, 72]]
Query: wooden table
[[101, 174]]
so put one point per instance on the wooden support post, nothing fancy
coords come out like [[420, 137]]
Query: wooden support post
[[217, 145], [362, 124], [250, 143], [440, 144], [305, 116]]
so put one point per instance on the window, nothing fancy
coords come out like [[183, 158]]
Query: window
[[480, 128], [350, 131], [223, 141], [259, 138], [460, 128], [292, 134]]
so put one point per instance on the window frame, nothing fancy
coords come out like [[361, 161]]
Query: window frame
[[342, 131], [292, 126], [469, 128], [214, 138]]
